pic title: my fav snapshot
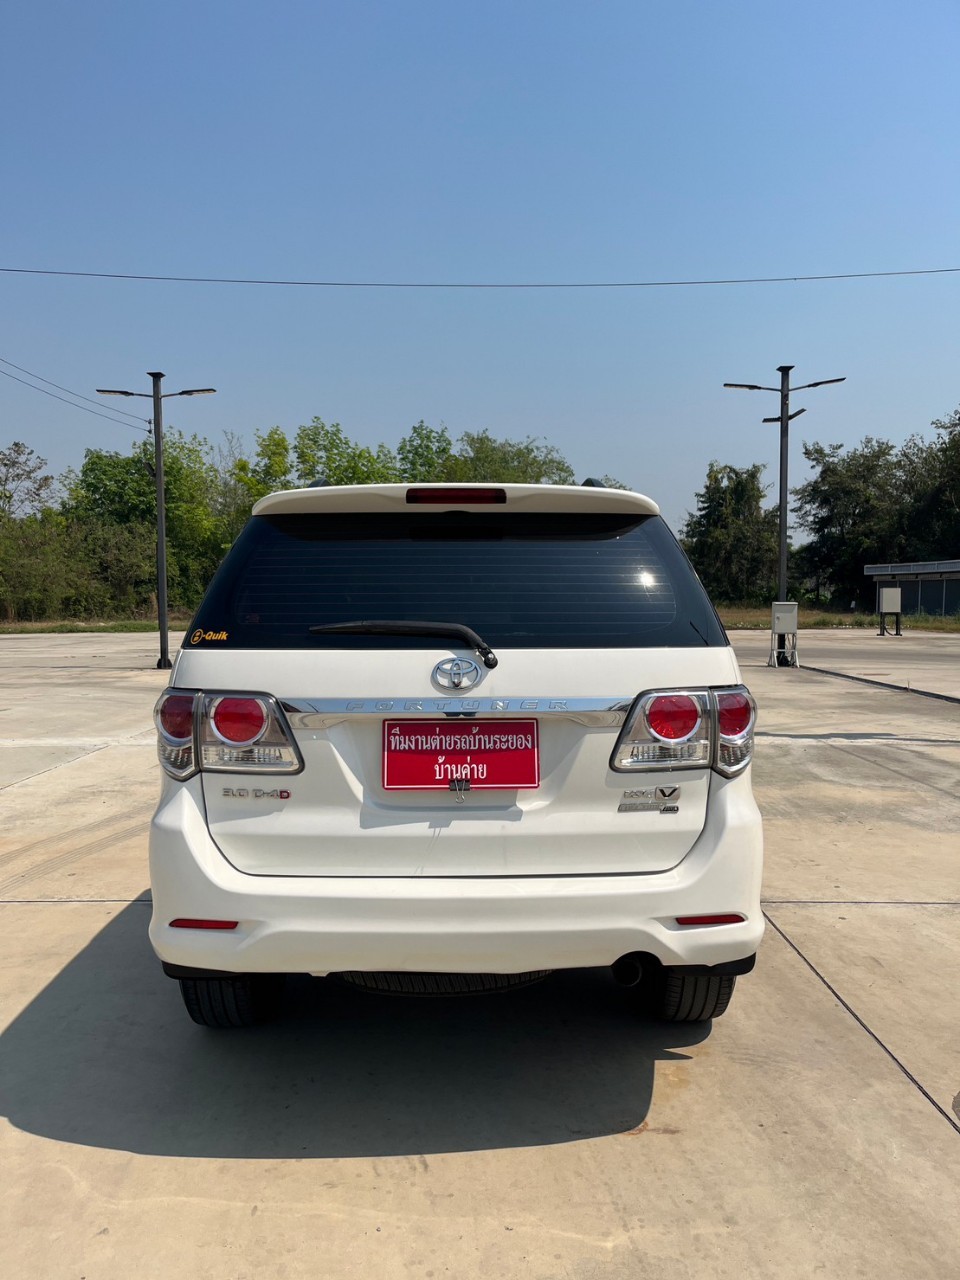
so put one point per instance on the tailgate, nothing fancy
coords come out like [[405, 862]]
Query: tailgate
[[511, 777]]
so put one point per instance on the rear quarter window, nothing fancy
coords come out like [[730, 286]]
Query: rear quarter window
[[519, 580]]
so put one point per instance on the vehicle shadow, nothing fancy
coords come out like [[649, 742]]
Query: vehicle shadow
[[105, 1056]]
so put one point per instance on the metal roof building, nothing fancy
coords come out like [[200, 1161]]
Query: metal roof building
[[926, 586]]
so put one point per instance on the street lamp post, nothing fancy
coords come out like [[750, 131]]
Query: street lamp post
[[163, 662], [784, 418]]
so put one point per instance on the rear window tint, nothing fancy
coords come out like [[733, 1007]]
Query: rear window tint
[[519, 580]]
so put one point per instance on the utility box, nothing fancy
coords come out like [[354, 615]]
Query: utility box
[[890, 603], [784, 618], [783, 634]]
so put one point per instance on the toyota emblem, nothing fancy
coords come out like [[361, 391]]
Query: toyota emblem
[[456, 673]]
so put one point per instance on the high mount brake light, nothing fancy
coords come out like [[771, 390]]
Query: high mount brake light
[[223, 733], [688, 729], [456, 497]]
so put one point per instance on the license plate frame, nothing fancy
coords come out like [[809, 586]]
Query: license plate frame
[[464, 753]]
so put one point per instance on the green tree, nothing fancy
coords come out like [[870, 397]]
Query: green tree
[[929, 477], [323, 451], [44, 571], [730, 539], [852, 508], [230, 500], [24, 485], [481, 457], [270, 469], [424, 454], [115, 489]]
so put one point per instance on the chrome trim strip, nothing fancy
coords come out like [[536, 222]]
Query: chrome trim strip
[[317, 713]]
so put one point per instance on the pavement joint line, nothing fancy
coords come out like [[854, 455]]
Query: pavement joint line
[[136, 740], [39, 774], [879, 739], [882, 684], [864, 1026], [899, 773], [86, 902], [854, 902]]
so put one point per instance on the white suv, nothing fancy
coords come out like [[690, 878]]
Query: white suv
[[488, 731]]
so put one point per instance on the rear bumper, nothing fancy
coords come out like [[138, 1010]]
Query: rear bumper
[[454, 925]]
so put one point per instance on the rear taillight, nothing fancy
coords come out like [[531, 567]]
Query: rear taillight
[[174, 716], [666, 729], [673, 717], [245, 733], [239, 722], [736, 717], [223, 733], [688, 729]]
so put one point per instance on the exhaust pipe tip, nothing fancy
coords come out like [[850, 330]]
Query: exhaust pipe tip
[[627, 971]]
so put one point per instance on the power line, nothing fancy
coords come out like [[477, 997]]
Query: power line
[[420, 284], [96, 413], [136, 417]]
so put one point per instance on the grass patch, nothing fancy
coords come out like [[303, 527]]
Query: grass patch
[[744, 617], [86, 628], [734, 617]]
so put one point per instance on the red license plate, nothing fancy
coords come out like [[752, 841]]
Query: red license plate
[[430, 755]]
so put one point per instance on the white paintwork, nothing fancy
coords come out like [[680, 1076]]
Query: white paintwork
[[345, 875], [497, 924], [340, 821], [393, 497]]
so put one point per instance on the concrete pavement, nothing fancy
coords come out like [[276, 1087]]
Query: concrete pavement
[[928, 661], [545, 1133]]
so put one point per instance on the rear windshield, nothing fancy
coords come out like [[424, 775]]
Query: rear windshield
[[519, 580]]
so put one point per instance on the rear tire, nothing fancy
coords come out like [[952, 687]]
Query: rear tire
[[232, 1002], [674, 996]]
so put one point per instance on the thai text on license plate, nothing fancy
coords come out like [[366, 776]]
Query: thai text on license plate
[[440, 755]]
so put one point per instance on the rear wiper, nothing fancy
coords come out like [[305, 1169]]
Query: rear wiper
[[379, 627]]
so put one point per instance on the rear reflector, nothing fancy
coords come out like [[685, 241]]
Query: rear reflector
[[449, 497], [701, 920], [181, 923]]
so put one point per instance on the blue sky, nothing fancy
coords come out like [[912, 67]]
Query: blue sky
[[520, 141]]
